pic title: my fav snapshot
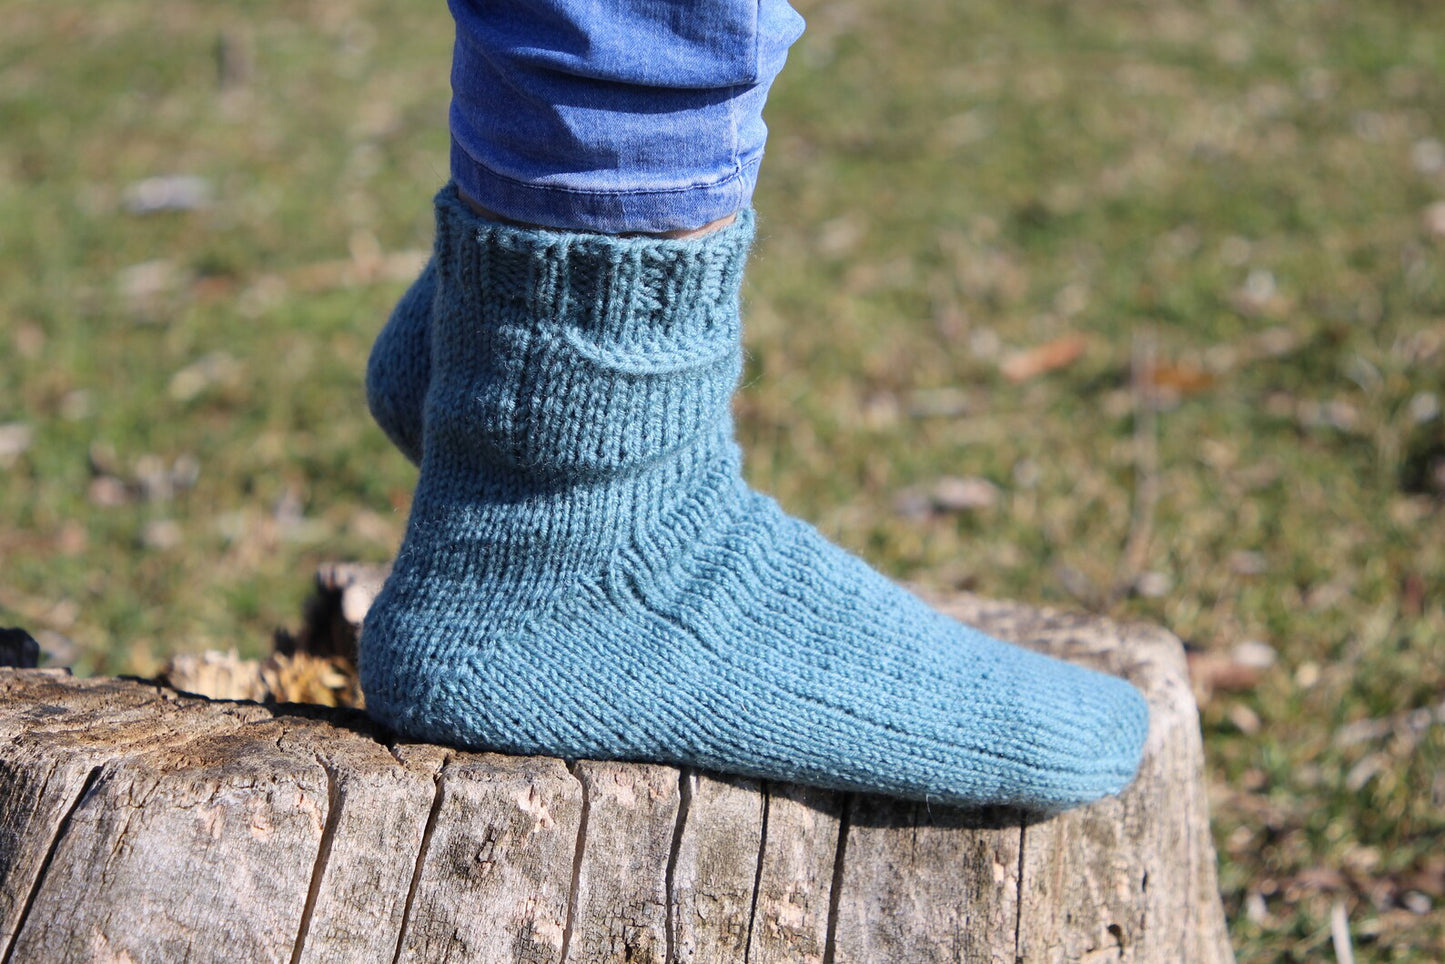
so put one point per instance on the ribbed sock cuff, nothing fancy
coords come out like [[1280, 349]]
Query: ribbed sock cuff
[[596, 352]]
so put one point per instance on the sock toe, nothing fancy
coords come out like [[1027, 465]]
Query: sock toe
[[586, 574]]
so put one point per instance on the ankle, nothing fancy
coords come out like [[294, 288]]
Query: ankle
[[626, 348]]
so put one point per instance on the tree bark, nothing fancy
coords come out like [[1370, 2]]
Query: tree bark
[[141, 825]]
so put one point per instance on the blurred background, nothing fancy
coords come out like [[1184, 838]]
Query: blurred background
[[1130, 307]]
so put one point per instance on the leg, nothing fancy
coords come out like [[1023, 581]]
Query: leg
[[615, 118], [585, 572]]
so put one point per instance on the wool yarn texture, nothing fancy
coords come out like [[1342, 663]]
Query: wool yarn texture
[[585, 573], [399, 367]]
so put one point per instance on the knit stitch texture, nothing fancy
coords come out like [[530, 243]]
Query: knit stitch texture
[[397, 372], [586, 575]]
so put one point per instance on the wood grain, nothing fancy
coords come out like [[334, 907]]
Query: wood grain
[[139, 825]]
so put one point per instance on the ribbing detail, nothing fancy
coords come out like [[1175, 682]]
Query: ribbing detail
[[586, 575], [591, 354]]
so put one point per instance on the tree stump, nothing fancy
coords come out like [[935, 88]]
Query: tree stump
[[141, 825]]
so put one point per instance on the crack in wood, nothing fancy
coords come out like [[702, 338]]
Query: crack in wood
[[835, 893], [323, 855], [764, 791], [39, 796], [426, 835], [669, 930], [60, 830], [572, 895], [1019, 892], [157, 851]]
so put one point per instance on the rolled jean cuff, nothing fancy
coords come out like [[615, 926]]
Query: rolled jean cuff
[[614, 116], [606, 212]]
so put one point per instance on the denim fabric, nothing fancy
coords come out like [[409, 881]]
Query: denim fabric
[[614, 115]]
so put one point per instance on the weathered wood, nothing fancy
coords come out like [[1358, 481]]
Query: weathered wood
[[140, 825], [376, 810], [619, 903], [1128, 874], [57, 733], [795, 879], [495, 869], [237, 796], [940, 882], [715, 868]]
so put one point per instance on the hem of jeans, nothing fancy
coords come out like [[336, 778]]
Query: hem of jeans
[[642, 210]]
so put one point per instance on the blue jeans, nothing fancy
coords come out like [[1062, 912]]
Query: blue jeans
[[614, 115]]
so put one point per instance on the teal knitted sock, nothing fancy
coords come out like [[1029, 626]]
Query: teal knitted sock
[[586, 575], [397, 372]]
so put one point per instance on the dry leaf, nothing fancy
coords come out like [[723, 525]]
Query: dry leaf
[[1179, 379], [1042, 359], [297, 678]]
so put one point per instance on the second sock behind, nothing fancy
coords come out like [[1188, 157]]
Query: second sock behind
[[398, 371], [586, 575]]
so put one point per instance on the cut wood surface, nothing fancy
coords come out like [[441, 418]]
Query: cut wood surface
[[138, 824]]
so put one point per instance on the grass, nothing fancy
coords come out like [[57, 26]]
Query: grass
[[1220, 207]]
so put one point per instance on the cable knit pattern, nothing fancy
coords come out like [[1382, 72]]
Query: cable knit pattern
[[586, 575], [398, 370]]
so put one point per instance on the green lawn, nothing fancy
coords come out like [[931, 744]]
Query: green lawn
[[1214, 218]]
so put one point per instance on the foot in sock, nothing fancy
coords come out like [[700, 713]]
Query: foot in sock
[[586, 575], [398, 370]]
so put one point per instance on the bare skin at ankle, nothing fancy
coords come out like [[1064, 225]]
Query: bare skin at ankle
[[678, 234]]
